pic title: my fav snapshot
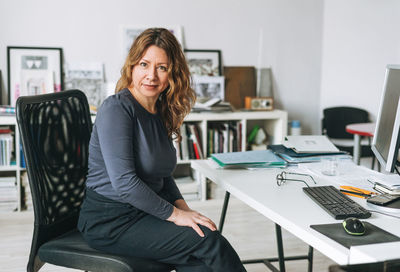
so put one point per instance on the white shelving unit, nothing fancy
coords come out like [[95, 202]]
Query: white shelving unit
[[273, 122], [16, 170]]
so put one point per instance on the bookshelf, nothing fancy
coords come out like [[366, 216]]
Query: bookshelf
[[13, 169], [273, 122]]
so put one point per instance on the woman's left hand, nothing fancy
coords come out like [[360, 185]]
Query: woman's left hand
[[184, 216]]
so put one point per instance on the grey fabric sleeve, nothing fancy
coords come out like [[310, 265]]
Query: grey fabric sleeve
[[171, 190], [115, 132]]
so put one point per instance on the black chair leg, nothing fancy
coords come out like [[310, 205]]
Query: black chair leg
[[281, 255], [223, 212]]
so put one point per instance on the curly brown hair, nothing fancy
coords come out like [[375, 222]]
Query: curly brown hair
[[178, 99]]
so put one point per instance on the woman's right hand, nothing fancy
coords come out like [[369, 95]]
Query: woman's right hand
[[191, 219]]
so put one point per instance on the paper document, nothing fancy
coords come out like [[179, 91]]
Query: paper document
[[310, 143]]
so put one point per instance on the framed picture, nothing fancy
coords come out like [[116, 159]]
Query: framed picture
[[209, 88], [130, 33], [204, 62], [88, 77], [33, 70]]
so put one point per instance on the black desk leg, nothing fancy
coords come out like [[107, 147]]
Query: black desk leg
[[223, 212], [281, 256], [310, 258]]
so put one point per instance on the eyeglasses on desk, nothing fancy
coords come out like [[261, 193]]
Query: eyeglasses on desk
[[284, 176]]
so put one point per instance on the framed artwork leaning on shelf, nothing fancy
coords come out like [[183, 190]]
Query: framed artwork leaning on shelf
[[33, 70], [209, 88], [204, 62]]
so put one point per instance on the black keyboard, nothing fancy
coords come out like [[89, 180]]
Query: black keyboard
[[335, 203]]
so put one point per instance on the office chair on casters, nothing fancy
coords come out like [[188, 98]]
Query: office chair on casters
[[55, 131], [334, 124]]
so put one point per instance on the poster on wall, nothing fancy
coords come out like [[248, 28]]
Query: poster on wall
[[89, 78], [130, 33], [33, 70]]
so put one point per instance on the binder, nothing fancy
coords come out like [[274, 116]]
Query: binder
[[281, 149], [310, 144]]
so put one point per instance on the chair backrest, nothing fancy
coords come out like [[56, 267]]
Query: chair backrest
[[336, 119], [55, 131]]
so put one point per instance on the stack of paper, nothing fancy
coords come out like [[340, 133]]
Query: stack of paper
[[248, 159], [389, 184]]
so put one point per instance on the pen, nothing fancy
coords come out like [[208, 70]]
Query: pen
[[352, 193]]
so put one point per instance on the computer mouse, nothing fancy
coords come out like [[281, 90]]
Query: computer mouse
[[353, 226]]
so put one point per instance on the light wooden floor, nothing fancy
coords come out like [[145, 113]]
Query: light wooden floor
[[251, 234]]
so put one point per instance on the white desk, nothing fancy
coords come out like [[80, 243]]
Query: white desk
[[289, 207]]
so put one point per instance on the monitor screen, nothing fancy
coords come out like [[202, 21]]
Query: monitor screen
[[385, 143]]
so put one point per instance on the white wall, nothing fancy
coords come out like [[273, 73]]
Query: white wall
[[89, 31], [360, 37]]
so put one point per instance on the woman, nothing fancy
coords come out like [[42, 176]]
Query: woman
[[132, 204]]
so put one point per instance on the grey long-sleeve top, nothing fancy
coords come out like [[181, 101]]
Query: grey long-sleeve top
[[131, 158]]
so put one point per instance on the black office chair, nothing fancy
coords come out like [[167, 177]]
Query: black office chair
[[334, 124], [55, 130]]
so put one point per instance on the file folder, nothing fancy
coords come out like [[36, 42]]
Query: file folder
[[256, 158]]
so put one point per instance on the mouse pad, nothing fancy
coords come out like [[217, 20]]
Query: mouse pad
[[372, 235]]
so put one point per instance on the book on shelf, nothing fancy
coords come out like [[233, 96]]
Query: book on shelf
[[8, 194], [190, 147], [6, 148], [195, 134], [7, 110], [5, 130], [224, 137], [184, 144], [189, 140]]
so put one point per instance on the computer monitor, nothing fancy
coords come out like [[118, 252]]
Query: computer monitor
[[386, 141]]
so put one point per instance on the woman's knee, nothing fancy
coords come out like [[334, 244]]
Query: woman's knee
[[211, 235]]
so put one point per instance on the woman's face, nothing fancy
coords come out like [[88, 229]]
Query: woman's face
[[150, 75]]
